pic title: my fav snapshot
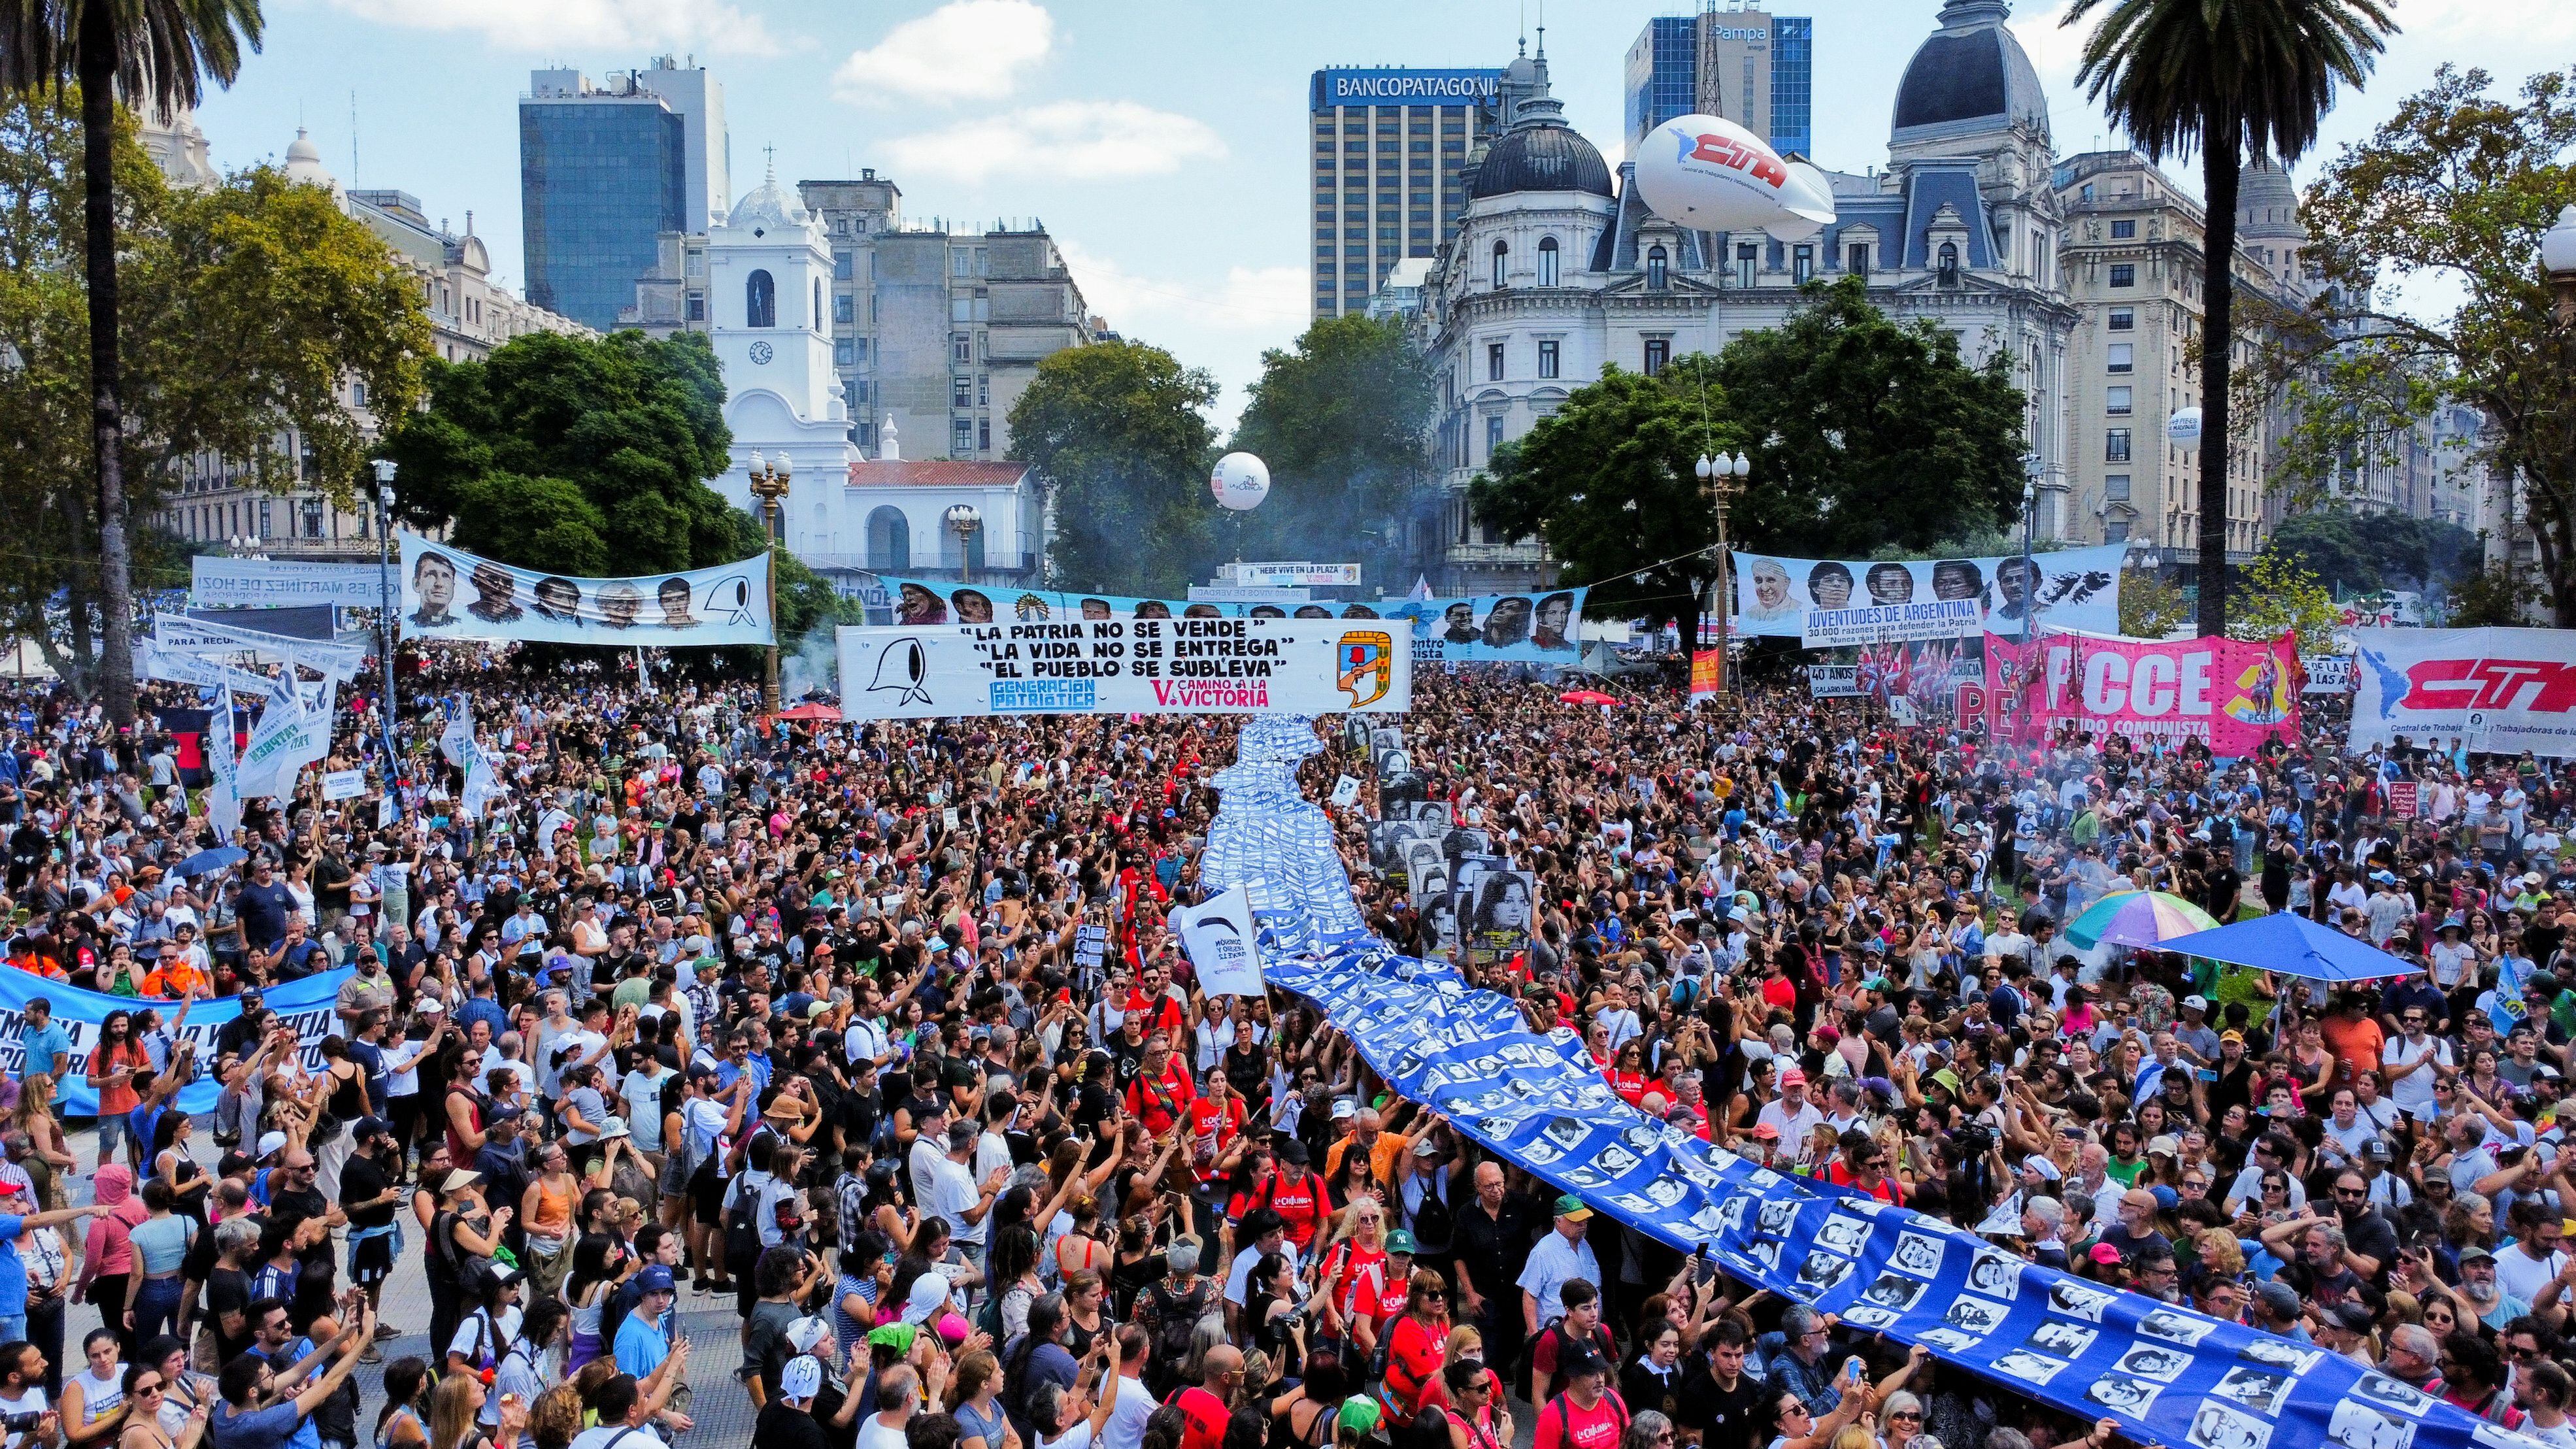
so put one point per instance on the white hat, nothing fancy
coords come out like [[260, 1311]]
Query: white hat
[[270, 1142], [808, 1331], [613, 1127], [802, 1379], [429, 1006], [2195, 1003], [929, 1295]]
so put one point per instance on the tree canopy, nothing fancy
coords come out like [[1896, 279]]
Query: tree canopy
[[1339, 420], [2364, 553], [1115, 431]]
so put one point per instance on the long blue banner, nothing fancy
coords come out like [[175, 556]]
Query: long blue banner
[[1539, 627], [309, 1007]]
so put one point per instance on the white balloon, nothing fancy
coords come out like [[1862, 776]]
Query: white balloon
[[2183, 426], [1710, 174], [1240, 481]]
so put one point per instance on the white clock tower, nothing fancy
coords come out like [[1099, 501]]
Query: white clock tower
[[769, 275]]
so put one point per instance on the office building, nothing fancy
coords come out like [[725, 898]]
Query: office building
[[1388, 145], [1753, 68], [604, 170]]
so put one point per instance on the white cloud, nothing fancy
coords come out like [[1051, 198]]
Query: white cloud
[[587, 26], [966, 50], [1249, 299], [1062, 140], [2056, 51], [2456, 23]]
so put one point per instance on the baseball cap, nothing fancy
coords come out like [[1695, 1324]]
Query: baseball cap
[[1571, 1208], [2475, 1255], [1793, 1077], [2352, 1318], [429, 1006], [1399, 1241], [1765, 1132], [1359, 1414], [1580, 1359], [2195, 1003], [270, 1142], [368, 1127], [2279, 1299], [802, 1378], [2375, 1147], [1345, 1108]]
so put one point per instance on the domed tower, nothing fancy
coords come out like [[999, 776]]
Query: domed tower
[[304, 165], [1971, 94], [2267, 222], [769, 277]]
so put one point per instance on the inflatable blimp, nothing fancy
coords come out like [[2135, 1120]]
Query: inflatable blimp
[[1710, 174], [1240, 481]]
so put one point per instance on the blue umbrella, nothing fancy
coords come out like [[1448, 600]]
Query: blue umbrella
[[206, 862], [2293, 945]]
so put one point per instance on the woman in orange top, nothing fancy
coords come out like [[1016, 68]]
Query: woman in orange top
[[113, 1066]]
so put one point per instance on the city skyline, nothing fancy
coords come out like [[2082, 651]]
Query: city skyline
[[1172, 175]]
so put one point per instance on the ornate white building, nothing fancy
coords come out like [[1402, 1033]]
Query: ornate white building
[[1556, 270]]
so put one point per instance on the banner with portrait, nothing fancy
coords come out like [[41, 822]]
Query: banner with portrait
[[448, 593], [900, 599], [1495, 905], [1124, 666], [1828, 602], [1538, 627]]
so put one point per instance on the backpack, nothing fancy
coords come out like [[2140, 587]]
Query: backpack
[[741, 1228], [1433, 1222]]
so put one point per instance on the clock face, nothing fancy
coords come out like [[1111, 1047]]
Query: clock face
[[760, 354]]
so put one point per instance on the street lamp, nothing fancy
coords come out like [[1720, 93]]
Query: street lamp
[[965, 518], [385, 615], [2558, 259], [1715, 471], [769, 484]]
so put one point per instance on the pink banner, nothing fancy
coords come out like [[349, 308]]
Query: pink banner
[[2230, 695]]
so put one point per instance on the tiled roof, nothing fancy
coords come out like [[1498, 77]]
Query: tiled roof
[[935, 473]]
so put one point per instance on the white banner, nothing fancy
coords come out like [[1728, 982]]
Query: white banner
[[344, 784], [1312, 575], [223, 796], [1218, 936], [1125, 666], [1954, 598], [289, 737], [2327, 673], [2489, 690], [205, 639], [262, 582], [448, 593]]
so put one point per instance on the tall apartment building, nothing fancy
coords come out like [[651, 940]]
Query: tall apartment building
[[604, 170], [935, 330], [1388, 145], [2131, 258], [1751, 67]]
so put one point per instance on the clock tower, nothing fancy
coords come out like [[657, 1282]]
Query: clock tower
[[769, 277]]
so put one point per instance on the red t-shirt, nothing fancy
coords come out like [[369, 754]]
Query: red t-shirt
[[1564, 1424], [1159, 1100], [1413, 1360], [1300, 1201], [1212, 1128], [1204, 1416]]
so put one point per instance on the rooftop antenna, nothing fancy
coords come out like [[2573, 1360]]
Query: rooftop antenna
[[353, 139]]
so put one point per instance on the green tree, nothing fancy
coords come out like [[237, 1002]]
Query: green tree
[[1115, 431], [2280, 593], [2492, 597], [1341, 421], [1609, 481], [248, 310], [587, 455], [2226, 77], [92, 51], [1867, 433], [2448, 198], [2150, 608], [2360, 554]]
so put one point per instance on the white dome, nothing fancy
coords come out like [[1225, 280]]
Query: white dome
[[768, 209], [304, 164]]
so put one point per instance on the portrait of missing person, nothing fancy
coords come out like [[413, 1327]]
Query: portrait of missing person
[[2028, 1367], [2164, 1365], [1957, 578], [2258, 1389], [974, 606], [1890, 583], [1313, 611], [2122, 1395], [672, 597], [918, 605], [1503, 903], [1153, 609], [2220, 1425], [1772, 600], [497, 591], [1508, 624], [620, 604], [1829, 585], [433, 577], [1555, 627], [1440, 918], [2012, 589], [1916, 1253], [559, 599], [1268, 611], [1458, 623], [1200, 611], [2359, 1426], [1893, 1290], [1358, 611], [1096, 608]]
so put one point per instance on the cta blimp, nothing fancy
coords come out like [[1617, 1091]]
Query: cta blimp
[[1710, 174]]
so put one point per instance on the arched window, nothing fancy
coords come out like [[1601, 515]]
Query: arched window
[[889, 540], [760, 301], [817, 323], [1547, 261], [1656, 268], [1502, 256], [1949, 264]]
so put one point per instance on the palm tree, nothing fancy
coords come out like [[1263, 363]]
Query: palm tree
[[153, 53], [2227, 76]]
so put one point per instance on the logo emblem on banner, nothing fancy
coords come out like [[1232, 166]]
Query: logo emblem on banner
[[1367, 655], [902, 668]]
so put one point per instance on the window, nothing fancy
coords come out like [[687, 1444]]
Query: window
[[358, 394], [1858, 259], [2116, 531], [263, 517], [2124, 319], [2115, 486], [840, 266], [1547, 359], [960, 261], [844, 354], [1493, 436], [1493, 362], [962, 437], [961, 392], [1547, 261], [2115, 446], [983, 389], [2124, 357], [983, 433], [2117, 401], [760, 301], [814, 319], [859, 348], [312, 511], [697, 306], [841, 309], [2123, 230], [1747, 256], [1502, 255], [1659, 350], [1656, 268], [1949, 264], [961, 348], [2124, 274], [1802, 265], [889, 539]]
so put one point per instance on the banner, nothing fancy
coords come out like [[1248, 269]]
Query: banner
[[448, 593], [1538, 627], [309, 1007], [268, 583], [2327, 673], [1293, 575], [1218, 936], [1833, 681], [2485, 690], [223, 796], [1495, 907], [1141, 665], [1824, 602], [178, 634], [897, 599], [287, 738], [1704, 675], [2230, 695]]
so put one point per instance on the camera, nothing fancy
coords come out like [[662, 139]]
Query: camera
[[22, 1423], [1972, 1140]]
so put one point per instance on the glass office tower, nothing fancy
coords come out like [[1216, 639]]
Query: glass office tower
[[602, 174]]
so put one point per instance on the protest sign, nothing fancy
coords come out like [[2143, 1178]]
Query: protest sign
[[1825, 602], [1124, 666]]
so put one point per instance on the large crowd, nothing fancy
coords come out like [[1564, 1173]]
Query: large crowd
[[875, 1034]]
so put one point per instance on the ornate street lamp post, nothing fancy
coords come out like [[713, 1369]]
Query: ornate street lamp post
[[769, 483], [1718, 471], [965, 518]]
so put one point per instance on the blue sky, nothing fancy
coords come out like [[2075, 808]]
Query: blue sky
[[1162, 143]]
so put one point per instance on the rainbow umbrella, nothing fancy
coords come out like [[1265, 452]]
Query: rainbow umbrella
[[2138, 918]]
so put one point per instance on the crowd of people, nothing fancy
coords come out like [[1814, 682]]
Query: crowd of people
[[875, 1035]]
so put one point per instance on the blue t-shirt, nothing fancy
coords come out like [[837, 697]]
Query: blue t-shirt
[[263, 910], [271, 1428], [640, 1345], [13, 1272], [42, 1045]]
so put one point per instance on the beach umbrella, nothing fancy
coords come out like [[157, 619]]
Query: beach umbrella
[[2293, 945], [2138, 918], [1587, 696], [206, 862]]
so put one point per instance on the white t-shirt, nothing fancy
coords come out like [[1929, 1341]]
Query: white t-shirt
[[1127, 1417], [641, 1093], [32, 1401], [2521, 1275], [2413, 1092], [873, 1434]]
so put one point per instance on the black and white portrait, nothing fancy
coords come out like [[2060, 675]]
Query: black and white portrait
[[2358, 1425], [1842, 1235], [1777, 1217], [2075, 1300], [1617, 1161], [2173, 1327], [1822, 1271], [2221, 1425], [1870, 1315], [1893, 1290], [1975, 1315], [2259, 1389], [2118, 1394], [2067, 1340], [2380, 1388], [2030, 1368], [2146, 1361], [1568, 1132], [1916, 1253], [1950, 1338], [2281, 1354], [1994, 1273]]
